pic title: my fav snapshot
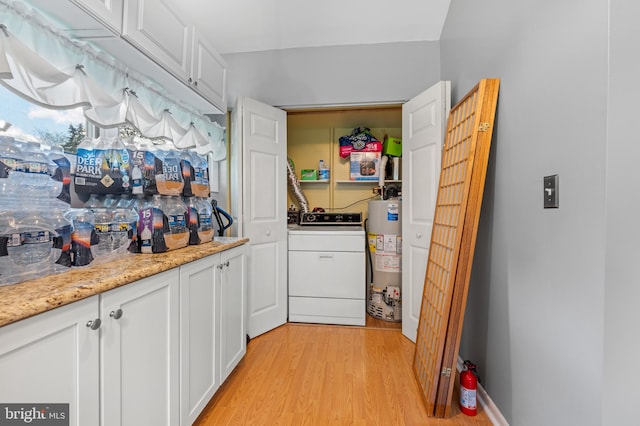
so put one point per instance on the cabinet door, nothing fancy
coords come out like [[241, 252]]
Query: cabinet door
[[199, 341], [53, 358], [156, 28], [109, 12], [209, 72], [140, 352], [233, 342]]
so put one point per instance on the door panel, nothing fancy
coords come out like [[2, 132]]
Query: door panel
[[265, 205], [423, 126], [264, 292]]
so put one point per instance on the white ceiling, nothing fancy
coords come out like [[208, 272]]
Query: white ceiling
[[255, 25]]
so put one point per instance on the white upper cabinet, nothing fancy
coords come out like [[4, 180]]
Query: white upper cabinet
[[208, 71], [157, 29], [109, 12], [153, 37]]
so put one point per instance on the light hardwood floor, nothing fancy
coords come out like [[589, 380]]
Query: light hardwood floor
[[303, 374]]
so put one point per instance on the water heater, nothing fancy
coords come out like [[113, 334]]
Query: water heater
[[385, 248]]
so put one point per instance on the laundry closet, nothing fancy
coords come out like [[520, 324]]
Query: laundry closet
[[328, 256], [263, 139]]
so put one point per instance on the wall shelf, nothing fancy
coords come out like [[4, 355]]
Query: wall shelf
[[368, 181], [314, 181]]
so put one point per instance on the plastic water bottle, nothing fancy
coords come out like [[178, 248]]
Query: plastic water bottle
[[170, 181], [200, 185], [205, 223], [151, 226], [61, 172], [188, 173], [36, 253], [175, 211], [323, 171], [104, 226], [131, 207], [102, 220], [9, 238], [10, 159], [83, 237], [62, 242], [123, 230], [94, 202], [192, 220], [36, 174], [137, 179]]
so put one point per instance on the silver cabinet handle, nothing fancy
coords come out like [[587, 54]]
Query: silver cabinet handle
[[94, 324], [116, 314]]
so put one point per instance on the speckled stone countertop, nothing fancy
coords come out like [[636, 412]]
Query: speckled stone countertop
[[32, 297]]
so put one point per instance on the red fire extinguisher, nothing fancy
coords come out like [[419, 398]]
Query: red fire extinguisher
[[468, 387]]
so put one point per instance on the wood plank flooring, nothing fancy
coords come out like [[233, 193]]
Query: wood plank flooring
[[304, 374]]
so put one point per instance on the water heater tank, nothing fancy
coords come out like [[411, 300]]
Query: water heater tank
[[385, 248]]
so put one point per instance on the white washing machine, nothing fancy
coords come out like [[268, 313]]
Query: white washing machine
[[327, 269]]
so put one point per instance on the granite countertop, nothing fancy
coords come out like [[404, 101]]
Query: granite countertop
[[32, 297]]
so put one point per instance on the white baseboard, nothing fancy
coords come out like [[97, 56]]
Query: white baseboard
[[486, 403]]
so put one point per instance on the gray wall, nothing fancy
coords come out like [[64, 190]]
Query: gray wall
[[536, 311], [389, 72], [554, 345], [622, 316]]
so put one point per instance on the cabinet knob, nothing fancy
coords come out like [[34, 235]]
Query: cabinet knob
[[94, 324], [220, 266], [195, 83], [190, 79], [268, 232], [226, 263], [418, 235], [116, 314]]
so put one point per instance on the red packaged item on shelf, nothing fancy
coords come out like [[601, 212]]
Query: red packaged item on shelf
[[360, 140]]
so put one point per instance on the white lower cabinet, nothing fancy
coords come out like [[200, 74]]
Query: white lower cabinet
[[113, 357], [212, 326], [152, 352], [53, 358], [140, 352]]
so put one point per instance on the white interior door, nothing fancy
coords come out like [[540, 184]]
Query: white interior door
[[263, 211], [423, 127]]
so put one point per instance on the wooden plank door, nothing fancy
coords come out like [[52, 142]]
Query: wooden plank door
[[465, 156]]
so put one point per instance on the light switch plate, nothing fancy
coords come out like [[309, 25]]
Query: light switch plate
[[551, 192]]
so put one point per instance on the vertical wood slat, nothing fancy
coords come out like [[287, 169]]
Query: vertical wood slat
[[465, 157]]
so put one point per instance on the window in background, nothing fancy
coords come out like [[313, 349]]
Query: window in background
[[26, 121]]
